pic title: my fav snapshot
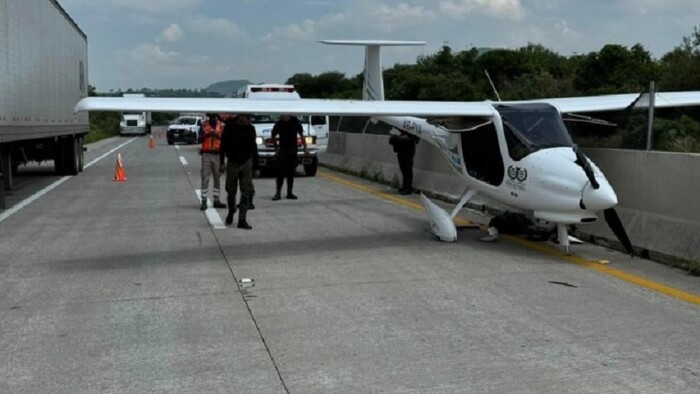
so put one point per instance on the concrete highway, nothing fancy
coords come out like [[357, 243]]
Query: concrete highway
[[129, 287]]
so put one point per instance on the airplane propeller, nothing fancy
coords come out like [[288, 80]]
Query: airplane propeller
[[610, 214], [582, 161], [615, 224]]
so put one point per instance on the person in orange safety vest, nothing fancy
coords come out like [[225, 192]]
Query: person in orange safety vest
[[212, 129]]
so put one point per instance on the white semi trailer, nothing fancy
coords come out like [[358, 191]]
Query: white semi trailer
[[43, 73]]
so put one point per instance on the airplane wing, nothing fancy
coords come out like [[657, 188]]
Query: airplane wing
[[616, 102], [290, 107], [481, 109]]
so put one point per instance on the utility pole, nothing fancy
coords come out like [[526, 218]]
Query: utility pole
[[650, 127]]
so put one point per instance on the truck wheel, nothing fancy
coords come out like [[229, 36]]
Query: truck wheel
[[170, 142], [58, 157], [81, 155], [310, 169], [71, 159]]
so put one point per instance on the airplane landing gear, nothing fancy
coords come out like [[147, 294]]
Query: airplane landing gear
[[440, 221], [563, 235]]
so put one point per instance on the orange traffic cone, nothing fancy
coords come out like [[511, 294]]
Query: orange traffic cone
[[119, 173], [151, 143]]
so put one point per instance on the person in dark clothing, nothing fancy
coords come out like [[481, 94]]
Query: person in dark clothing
[[238, 145], [287, 128], [405, 147]]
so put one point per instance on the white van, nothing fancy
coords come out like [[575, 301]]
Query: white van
[[315, 128]]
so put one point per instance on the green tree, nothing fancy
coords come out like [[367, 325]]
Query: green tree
[[616, 69]]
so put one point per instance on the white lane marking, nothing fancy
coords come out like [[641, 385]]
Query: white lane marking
[[183, 161], [211, 213], [177, 147], [52, 186], [32, 198], [88, 165]]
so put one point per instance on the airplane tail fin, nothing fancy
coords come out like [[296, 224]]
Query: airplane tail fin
[[373, 89]]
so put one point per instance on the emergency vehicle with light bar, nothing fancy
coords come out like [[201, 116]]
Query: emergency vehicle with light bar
[[315, 127]]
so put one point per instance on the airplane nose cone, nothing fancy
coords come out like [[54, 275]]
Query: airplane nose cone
[[599, 199]]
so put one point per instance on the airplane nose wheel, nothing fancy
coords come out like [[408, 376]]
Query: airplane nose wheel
[[563, 235]]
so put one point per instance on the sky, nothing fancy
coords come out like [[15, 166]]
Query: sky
[[193, 43]]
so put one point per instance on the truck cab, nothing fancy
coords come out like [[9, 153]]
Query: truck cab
[[135, 123], [264, 124]]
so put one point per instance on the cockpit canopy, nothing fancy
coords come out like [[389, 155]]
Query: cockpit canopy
[[531, 127]]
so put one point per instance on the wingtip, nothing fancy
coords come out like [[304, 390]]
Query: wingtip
[[79, 106]]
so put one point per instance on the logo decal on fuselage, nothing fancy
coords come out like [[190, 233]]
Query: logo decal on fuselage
[[411, 126], [517, 175]]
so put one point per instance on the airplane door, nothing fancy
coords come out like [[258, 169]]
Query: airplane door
[[482, 154]]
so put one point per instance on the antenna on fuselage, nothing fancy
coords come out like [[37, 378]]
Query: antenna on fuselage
[[492, 85]]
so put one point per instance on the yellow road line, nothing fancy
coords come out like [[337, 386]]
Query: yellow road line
[[540, 247], [386, 196]]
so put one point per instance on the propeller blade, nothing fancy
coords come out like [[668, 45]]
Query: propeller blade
[[615, 224], [582, 161]]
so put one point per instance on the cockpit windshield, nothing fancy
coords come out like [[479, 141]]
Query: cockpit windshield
[[531, 127], [187, 121], [262, 119]]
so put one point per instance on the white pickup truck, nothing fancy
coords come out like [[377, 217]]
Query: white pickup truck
[[185, 129], [315, 128]]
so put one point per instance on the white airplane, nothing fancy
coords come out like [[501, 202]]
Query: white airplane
[[518, 153]]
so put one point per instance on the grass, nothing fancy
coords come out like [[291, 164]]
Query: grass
[[103, 125]]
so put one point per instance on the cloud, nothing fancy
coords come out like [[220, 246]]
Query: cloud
[[562, 26], [305, 30], [146, 54], [217, 27], [646, 7], [361, 16], [150, 65], [388, 16], [156, 6], [172, 33], [504, 9]]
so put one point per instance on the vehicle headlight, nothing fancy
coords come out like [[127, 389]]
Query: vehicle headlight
[[258, 140]]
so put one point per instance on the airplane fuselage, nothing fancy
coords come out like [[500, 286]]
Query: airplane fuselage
[[542, 181]]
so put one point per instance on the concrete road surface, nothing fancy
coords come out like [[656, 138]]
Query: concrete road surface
[[129, 287]]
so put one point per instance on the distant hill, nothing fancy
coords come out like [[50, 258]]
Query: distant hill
[[227, 88]]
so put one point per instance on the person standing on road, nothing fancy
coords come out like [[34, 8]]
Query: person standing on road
[[287, 128], [226, 118], [212, 130], [405, 147], [238, 145]]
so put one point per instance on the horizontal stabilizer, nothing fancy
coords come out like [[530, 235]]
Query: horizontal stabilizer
[[384, 43]]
